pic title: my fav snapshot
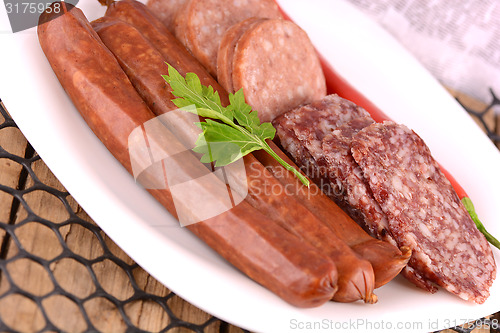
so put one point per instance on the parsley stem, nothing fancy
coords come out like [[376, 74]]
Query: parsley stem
[[287, 166], [469, 206]]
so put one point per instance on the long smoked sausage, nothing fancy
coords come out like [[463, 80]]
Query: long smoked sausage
[[106, 99], [356, 278], [386, 259]]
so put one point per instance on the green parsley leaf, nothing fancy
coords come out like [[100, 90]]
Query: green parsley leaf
[[229, 133], [225, 143], [467, 202]]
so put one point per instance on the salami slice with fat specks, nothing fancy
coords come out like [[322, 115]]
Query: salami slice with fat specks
[[301, 132], [424, 212], [355, 197]]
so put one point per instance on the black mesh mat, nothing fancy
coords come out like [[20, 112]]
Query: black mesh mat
[[10, 226]]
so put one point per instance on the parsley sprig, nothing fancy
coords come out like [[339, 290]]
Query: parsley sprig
[[236, 124]]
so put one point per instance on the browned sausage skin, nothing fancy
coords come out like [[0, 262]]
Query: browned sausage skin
[[227, 49], [356, 278], [104, 96], [123, 40], [386, 259], [172, 51]]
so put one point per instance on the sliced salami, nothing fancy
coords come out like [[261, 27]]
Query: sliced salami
[[356, 197], [201, 24], [301, 132], [424, 212]]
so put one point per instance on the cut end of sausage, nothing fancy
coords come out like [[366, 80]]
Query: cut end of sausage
[[277, 67], [226, 51], [424, 212], [200, 24]]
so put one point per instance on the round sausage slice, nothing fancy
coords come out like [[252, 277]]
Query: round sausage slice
[[201, 24], [277, 66], [226, 51]]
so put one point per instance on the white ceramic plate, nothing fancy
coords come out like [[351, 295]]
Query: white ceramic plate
[[360, 51]]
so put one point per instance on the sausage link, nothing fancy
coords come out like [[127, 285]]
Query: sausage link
[[172, 51], [123, 40], [355, 275], [356, 279], [386, 259], [106, 99]]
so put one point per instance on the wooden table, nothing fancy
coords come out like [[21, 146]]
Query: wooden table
[[44, 281]]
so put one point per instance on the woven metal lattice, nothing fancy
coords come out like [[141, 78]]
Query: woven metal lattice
[[20, 191]]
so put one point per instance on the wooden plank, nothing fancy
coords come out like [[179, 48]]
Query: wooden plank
[[495, 322], [13, 142], [21, 314], [43, 241], [73, 276]]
